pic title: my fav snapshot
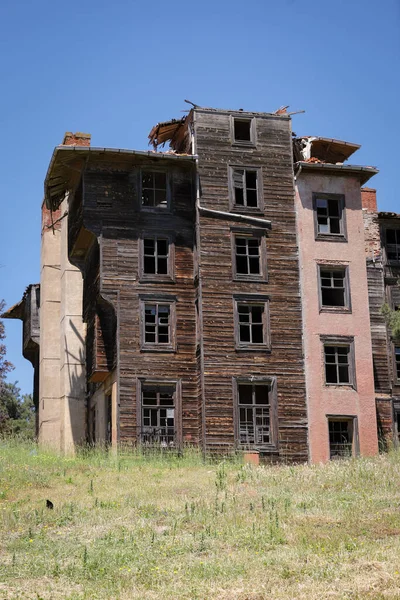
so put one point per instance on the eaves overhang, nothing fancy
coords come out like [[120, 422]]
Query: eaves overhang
[[363, 173], [68, 162]]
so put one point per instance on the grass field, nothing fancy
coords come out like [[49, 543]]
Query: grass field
[[131, 527]]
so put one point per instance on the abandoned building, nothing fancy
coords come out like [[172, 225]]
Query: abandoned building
[[215, 294]]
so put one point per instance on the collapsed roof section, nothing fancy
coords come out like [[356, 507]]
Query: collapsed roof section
[[324, 150], [175, 131]]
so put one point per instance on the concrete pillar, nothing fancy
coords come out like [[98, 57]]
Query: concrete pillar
[[72, 348], [49, 361]]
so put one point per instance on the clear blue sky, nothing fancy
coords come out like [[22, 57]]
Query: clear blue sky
[[115, 68]]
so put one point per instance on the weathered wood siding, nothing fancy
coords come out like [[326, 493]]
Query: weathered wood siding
[[111, 210], [222, 363]]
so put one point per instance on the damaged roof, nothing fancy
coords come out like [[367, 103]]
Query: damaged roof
[[320, 149], [16, 311]]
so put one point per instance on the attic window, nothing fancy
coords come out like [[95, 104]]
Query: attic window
[[243, 131]]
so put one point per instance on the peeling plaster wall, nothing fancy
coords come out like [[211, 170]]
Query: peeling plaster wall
[[326, 400]]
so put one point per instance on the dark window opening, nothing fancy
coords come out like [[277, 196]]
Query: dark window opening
[[254, 414], [329, 216], [242, 130], [397, 360], [397, 424], [333, 287], [154, 189], [251, 323], [155, 258], [245, 187], [157, 324], [247, 251], [340, 438], [337, 364], [393, 244], [158, 415]]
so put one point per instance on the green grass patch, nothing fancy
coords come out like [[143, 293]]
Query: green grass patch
[[150, 526]]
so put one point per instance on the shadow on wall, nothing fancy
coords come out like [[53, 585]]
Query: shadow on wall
[[74, 378]]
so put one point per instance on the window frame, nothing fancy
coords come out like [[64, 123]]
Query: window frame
[[260, 193], [260, 234], [154, 277], [347, 296], [330, 237], [252, 300], [253, 131], [355, 445], [159, 208], [391, 261], [159, 300], [273, 445], [395, 345], [343, 341], [176, 384]]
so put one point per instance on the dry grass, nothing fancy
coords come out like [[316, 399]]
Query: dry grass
[[134, 527]]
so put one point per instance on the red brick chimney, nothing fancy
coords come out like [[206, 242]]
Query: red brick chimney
[[76, 139], [368, 199]]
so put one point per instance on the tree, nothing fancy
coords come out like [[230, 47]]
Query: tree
[[5, 365], [17, 413], [392, 318]]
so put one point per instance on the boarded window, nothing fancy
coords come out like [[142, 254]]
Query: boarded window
[[154, 189], [341, 437], [247, 256], [329, 215], [333, 287], [338, 365], [158, 415], [254, 403], [393, 244], [155, 256]]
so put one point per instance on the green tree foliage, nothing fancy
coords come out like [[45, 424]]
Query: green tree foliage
[[5, 365], [17, 413], [392, 318]]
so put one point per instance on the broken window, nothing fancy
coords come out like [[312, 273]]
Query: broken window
[[338, 365], [242, 130], [334, 287], [393, 244], [341, 437], [256, 402], [154, 189], [397, 361], [157, 319], [247, 256], [158, 415], [251, 323], [155, 256], [329, 215], [245, 188]]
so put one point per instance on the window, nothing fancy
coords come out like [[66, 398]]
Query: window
[[334, 287], [243, 131], [158, 422], [341, 437], [329, 215], [393, 244], [158, 325], [154, 189], [245, 188], [397, 361], [256, 406], [252, 322], [109, 420], [247, 259], [157, 258], [338, 365]]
